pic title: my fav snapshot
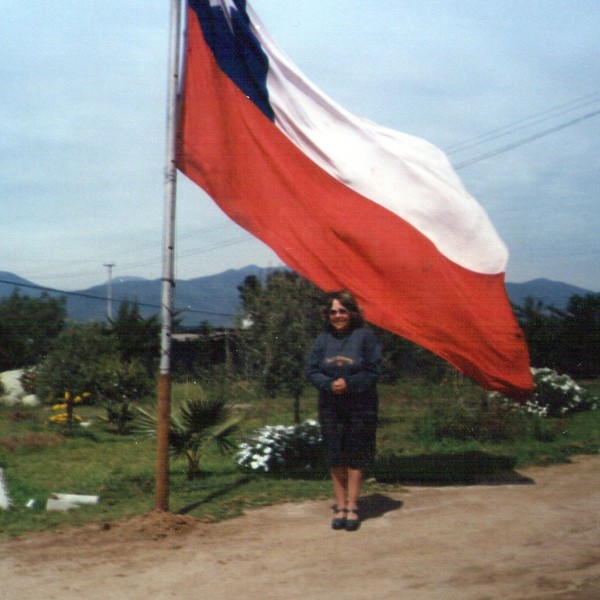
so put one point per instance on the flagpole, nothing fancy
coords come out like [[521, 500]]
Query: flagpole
[[168, 274]]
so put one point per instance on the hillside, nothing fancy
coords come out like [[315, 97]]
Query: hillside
[[551, 293], [10, 281], [215, 298]]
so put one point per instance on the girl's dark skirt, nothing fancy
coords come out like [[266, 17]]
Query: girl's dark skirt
[[349, 429]]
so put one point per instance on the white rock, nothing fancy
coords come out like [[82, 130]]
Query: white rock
[[66, 502], [13, 390], [10, 400], [58, 504], [30, 400], [5, 501]]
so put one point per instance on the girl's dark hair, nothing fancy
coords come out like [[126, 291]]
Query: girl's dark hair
[[347, 300]]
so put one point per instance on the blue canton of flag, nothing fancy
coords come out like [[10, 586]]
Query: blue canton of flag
[[226, 29]]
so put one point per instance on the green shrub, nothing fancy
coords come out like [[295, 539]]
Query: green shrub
[[121, 414], [119, 385], [555, 395], [120, 381], [488, 422], [75, 362], [280, 449], [542, 430]]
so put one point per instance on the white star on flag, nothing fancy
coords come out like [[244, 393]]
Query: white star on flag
[[225, 6]]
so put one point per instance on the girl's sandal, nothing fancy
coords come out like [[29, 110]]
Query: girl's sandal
[[352, 524], [339, 522]]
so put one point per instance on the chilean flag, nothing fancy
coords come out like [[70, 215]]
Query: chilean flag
[[343, 201]]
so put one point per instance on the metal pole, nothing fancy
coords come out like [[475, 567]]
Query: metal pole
[[109, 313], [168, 278]]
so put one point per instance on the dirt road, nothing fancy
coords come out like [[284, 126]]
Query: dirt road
[[524, 542]]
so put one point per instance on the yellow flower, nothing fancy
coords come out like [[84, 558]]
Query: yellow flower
[[62, 418], [62, 406], [67, 396], [77, 400]]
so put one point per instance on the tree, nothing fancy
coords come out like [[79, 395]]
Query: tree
[[581, 336], [28, 327], [137, 338], [565, 340], [285, 317], [541, 326], [75, 362], [119, 384]]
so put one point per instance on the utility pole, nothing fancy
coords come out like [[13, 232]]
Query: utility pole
[[109, 266]]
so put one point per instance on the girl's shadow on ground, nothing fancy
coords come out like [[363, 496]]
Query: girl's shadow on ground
[[376, 505], [464, 468]]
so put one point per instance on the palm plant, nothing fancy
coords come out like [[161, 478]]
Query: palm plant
[[196, 426]]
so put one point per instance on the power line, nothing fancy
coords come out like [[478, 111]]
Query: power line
[[156, 261], [524, 122], [105, 298], [516, 129], [526, 140], [216, 246]]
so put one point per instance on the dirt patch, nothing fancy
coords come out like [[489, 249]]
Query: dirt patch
[[31, 440], [530, 541], [151, 527]]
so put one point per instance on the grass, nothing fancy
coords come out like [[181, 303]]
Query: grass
[[121, 469]]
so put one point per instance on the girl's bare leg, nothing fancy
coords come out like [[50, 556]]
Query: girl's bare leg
[[354, 483], [339, 478]]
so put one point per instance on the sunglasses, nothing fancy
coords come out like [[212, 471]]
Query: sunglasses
[[338, 311]]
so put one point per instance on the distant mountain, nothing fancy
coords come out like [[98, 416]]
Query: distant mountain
[[10, 281], [128, 279], [215, 298], [551, 293]]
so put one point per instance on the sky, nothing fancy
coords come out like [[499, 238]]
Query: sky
[[510, 89]]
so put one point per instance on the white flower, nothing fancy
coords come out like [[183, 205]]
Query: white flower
[[281, 445], [555, 395]]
